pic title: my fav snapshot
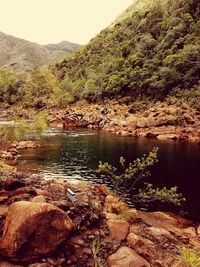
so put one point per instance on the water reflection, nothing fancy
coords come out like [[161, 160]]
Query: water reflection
[[75, 154]]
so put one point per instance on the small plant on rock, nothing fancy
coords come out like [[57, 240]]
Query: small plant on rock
[[189, 257], [164, 194], [127, 177], [96, 250]]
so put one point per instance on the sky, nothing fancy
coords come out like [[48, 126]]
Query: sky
[[52, 21]]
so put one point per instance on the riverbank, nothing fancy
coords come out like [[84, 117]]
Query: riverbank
[[94, 229], [161, 120]]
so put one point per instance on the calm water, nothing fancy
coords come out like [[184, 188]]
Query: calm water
[[75, 154]]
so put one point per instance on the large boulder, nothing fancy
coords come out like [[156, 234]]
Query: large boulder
[[33, 229], [126, 257]]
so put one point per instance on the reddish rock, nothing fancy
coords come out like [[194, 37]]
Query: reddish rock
[[22, 190], [39, 199], [76, 240], [8, 264], [44, 264], [118, 228], [142, 122], [4, 195], [136, 240], [11, 184], [56, 190], [56, 123], [126, 257], [33, 229], [70, 122], [3, 211]]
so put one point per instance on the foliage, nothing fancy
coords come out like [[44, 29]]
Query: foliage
[[40, 86], [96, 250], [132, 174], [11, 90], [164, 195], [189, 257], [151, 50], [14, 132], [4, 169], [20, 128], [127, 177], [40, 123]]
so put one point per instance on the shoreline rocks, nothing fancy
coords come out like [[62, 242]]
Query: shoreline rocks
[[104, 228], [164, 121]]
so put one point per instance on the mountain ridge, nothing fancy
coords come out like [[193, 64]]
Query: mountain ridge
[[21, 55]]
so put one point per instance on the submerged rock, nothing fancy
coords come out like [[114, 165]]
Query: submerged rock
[[33, 229]]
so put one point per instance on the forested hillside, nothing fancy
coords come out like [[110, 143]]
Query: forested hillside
[[151, 50]]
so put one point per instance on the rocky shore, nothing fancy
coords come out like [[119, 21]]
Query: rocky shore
[[159, 120], [41, 227]]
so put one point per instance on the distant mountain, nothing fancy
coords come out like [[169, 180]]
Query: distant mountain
[[21, 55], [62, 46]]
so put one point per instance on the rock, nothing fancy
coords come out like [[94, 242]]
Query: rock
[[8, 264], [126, 257], [33, 229], [118, 228], [167, 136], [198, 230], [76, 240], [188, 118], [87, 251], [180, 263], [136, 240], [39, 199], [22, 190], [44, 264], [56, 123], [11, 184], [102, 189], [27, 145], [4, 195], [52, 262], [70, 122], [141, 122], [3, 211], [56, 190], [190, 230]]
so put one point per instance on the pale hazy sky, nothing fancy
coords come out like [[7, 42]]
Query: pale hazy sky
[[51, 21]]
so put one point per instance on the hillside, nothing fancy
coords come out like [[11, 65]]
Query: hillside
[[62, 46], [152, 50], [21, 55]]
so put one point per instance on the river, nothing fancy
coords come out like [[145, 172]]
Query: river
[[76, 154]]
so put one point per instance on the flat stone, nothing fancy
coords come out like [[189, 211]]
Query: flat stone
[[126, 257]]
